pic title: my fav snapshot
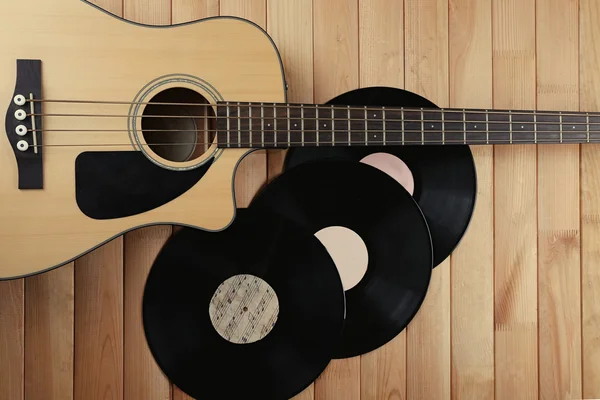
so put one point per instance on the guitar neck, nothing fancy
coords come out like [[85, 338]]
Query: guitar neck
[[263, 125]]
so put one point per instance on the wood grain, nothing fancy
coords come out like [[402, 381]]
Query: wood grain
[[472, 273], [428, 335], [290, 25], [590, 203], [515, 207], [558, 207], [142, 377], [49, 319], [191, 10], [381, 44], [335, 72], [12, 329], [98, 372], [155, 12], [251, 174]]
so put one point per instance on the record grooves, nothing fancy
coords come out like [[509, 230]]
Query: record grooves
[[445, 179], [188, 275], [320, 194]]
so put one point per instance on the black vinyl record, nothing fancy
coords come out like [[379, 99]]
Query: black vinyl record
[[445, 179], [322, 194], [309, 317]]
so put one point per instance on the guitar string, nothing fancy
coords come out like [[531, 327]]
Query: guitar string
[[324, 119], [289, 144], [324, 107]]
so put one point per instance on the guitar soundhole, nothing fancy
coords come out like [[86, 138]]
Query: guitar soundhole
[[178, 124]]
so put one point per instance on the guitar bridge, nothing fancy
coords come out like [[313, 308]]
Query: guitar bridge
[[24, 124]]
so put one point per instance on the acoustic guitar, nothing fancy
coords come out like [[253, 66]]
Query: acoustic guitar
[[112, 125]]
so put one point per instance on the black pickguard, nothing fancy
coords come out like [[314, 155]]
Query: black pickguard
[[120, 184]]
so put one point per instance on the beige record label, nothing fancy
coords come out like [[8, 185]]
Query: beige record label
[[244, 309]]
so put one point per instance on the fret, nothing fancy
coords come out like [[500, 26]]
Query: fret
[[366, 128], [574, 128], [274, 124], [324, 126], [413, 127], [262, 125], [443, 127], [349, 128], [432, 127], [302, 121], [317, 126], [464, 127], [498, 127], [250, 125], [243, 127], [402, 126], [228, 127], [358, 122], [561, 127], [476, 127], [342, 134], [587, 123], [375, 128], [594, 127], [310, 125], [535, 128], [289, 125], [384, 129], [510, 126], [422, 127], [239, 125], [487, 127], [295, 131], [453, 128], [332, 125], [548, 129]]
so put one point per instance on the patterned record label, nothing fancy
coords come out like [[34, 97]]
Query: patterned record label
[[244, 309]]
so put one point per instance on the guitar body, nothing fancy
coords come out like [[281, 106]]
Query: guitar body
[[101, 176]]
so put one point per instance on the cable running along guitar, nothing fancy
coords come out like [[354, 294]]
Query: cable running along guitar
[[112, 125]]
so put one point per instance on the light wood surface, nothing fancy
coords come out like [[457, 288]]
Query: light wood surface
[[514, 282], [428, 341], [471, 273]]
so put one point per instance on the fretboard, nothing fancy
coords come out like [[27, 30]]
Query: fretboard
[[262, 125]]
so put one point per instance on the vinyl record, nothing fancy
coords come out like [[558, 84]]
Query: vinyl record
[[322, 194], [445, 179], [253, 311]]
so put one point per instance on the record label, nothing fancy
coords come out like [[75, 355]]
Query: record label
[[244, 309], [322, 195]]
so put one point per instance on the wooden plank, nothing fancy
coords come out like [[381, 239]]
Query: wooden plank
[[49, 319], [558, 207], [11, 339], [381, 44], [290, 25], [251, 173], [472, 263], [428, 335], [515, 173], [590, 202], [142, 378], [151, 12], [98, 372], [191, 10], [336, 71], [112, 6]]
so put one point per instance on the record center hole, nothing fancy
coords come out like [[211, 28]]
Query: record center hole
[[394, 167], [244, 309], [348, 251]]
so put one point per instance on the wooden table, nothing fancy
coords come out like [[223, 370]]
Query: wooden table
[[514, 313]]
